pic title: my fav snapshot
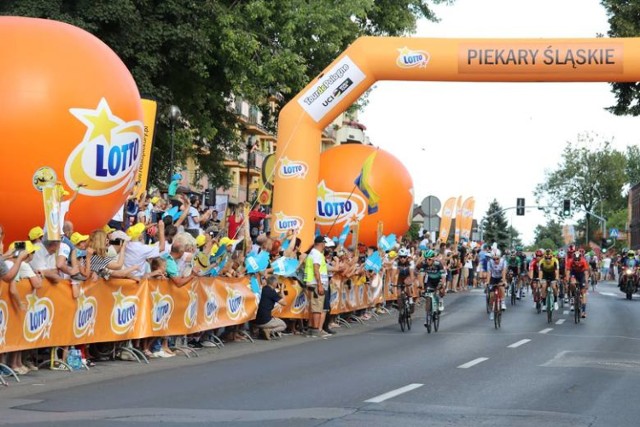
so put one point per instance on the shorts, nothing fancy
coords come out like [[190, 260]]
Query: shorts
[[316, 302], [495, 281]]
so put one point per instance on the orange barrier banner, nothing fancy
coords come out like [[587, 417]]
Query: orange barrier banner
[[118, 310]]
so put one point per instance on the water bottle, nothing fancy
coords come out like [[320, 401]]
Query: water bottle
[[74, 359]]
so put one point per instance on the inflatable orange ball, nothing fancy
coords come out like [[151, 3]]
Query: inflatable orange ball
[[71, 114], [340, 201]]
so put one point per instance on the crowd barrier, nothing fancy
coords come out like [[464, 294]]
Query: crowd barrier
[[118, 309]]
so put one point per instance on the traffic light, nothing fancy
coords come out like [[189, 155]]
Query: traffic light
[[606, 244], [566, 207], [520, 206]]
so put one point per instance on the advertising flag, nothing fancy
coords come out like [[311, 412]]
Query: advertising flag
[[445, 222], [149, 113], [456, 233], [467, 218], [363, 182]]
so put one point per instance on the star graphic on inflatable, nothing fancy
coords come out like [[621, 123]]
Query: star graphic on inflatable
[[323, 190], [99, 122], [32, 299], [119, 297], [404, 51]]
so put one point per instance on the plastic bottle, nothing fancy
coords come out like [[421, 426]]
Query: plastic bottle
[[74, 359]]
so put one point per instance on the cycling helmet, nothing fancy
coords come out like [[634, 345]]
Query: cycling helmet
[[403, 252], [581, 250], [577, 254], [631, 253], [519, 248], [571, 249], [429, 254], [539, 253], [561, 253]]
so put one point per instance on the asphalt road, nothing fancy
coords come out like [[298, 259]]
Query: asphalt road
[[467, 374]]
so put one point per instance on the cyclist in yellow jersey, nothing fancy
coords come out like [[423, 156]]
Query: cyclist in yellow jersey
[[548, 273]]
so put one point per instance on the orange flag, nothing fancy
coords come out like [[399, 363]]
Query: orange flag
[[456, 234], [445, 221], [467, 218]]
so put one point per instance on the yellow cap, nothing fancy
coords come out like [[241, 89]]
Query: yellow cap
[[35, 233], [135, 231], [155, 200], [214, 249], [28, 247], [108, 229], [77, 238], [201, 240], [393, 254]]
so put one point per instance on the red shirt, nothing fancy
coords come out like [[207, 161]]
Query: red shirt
[[577, 266], [234, 224]]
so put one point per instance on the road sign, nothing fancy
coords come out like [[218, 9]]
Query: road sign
[[614, 233], [431, 223], [430, 206]]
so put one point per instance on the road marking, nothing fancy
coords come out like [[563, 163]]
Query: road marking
[[473, 362], [519, 343], [546, 331], [393, 393], [565, 312], [560, 321], [609, 294]]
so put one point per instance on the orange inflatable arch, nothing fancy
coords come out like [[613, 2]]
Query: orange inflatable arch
[[370, 59]]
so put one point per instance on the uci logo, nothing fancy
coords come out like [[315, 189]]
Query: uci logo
[[334, 207], [284, 222], [191, 313], [292, 169], [108, 156], [124, 312], [412, 58], [85, 318], [161, 311], [4, 319], [38, 318]]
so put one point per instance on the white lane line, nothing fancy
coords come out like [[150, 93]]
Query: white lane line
[[519, 343], [393, 393], [546, 331], [560, 321], [473, 362], [609, 294], [565, 312]]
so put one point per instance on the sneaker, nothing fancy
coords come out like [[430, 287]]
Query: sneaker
[[440, 306], [584, 315], [426, 326], [491, 316], [555, 306], [324, 334], [544, 307], [194, 344], [571, 307], [30, 365], [207, 344], [330, 331], [535, 305], [162, 354]]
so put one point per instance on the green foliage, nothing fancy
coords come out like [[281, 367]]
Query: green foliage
[[591, 174], [495, 226], [624, 22], [633, 165], [197, 54], [548, 236], [412, 233]]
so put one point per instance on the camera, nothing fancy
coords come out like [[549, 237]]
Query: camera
[[115, 242]]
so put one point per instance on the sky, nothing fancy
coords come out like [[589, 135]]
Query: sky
[[454, 138]]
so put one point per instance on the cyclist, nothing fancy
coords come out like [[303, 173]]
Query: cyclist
[[533, 273], [405, 273], [497, 277], [562, 263], [548, 272], [434, 277], [514, 266], [524, 269], [576, 268], [593, 266]]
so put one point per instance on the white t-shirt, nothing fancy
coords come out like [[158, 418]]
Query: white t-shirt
[[606, 263], [43, 260], [25, 271], [191, 222], [137, 254]]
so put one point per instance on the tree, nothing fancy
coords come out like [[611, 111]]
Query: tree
[[623, 22], [200, 54], [633, 165], [591, 175], [549, 236], [495, 226]]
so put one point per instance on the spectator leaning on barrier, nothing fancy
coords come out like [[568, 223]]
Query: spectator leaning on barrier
[[272, 294], [136, 253], [45, 260]]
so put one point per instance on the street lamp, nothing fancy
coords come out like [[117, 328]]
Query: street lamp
[[251, 142], [174, 116]]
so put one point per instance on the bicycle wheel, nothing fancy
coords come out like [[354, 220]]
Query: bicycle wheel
[[401, 319], [408, 320], [499, 319], [427, 319], [488, 304], [577, 306], [512, 290], [436, 321]]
